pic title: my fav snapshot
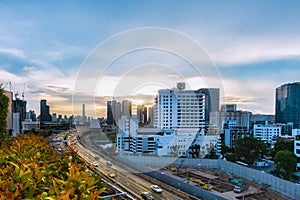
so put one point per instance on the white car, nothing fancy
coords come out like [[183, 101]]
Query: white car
[[95, 164], [156, 188]]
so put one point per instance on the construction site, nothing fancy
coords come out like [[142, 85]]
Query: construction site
[[223, 183]]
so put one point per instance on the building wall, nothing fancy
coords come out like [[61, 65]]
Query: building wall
[[9, 117], [16, 124], [45, 111], [175, 108], [127, 108], [212, 104], [288, 104], [297, 149], [266, 133], [242, 118]]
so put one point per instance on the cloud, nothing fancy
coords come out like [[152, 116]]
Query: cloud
[[244, 50], [29, 68], [14, 52]]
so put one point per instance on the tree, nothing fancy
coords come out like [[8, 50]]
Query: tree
[[286, 163], [283, 145], [225, 149], [249, 149], [3, 114]]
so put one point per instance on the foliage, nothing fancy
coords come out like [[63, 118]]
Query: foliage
[[283, 145], [225, 149], [286, 163], [249, 149], [3, 114], [31, 169]]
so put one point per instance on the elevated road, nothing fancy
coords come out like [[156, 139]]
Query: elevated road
[[126, 178]]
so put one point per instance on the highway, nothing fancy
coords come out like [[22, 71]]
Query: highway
[[126, 178]]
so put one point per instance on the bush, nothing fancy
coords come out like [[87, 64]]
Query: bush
[[31, 169]]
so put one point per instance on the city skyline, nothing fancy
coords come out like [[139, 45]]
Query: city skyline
[[254, 45]]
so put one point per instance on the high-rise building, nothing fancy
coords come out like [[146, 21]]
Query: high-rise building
[[9, 117], [116, 107], [266, 133], [127, 108], [150, 117], [288, 104], [229, 113], [228, 107], [113, 111], [19, 111], [212, 101], [19, 106], [179, 108], [45, 111], [31, 115], [54, 117], [141, 114], [109, 113], [83, 114]]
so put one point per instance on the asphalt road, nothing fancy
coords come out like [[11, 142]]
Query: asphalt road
[[124, 176]]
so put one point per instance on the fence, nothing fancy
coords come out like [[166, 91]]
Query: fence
[[287, 188], [172, 181]]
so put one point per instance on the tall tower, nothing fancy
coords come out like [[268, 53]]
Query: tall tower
[[83, 114], [45, 114], [288, 104], [109, 113], [126, 108], [212, 101]]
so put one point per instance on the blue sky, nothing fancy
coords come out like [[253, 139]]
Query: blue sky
[[255, 45]]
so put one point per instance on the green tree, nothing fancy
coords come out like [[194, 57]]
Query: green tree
[[225, 149], [283, 145], [286, 163], [249, 149], [3, 114]]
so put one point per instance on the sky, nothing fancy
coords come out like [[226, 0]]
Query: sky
[[54, 49]]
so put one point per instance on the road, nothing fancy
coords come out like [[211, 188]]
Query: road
[[125, 177]]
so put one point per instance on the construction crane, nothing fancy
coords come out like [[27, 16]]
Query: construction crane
[[23, 92]]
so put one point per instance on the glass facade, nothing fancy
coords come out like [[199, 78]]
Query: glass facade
[[288, 104]]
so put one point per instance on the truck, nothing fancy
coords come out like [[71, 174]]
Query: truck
[[261, 164], [241, 187]]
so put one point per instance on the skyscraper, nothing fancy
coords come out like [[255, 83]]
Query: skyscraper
[[141, 112], [9, 117], [109, 113], [116, 108], [127, 108], [83, 114], [45, 113], [288, 104], [212, 101]]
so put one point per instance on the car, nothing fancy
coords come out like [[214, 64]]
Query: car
[[95, 164], [97, 157], [112, 174], [108, 163], [147, 196], [156, 188]]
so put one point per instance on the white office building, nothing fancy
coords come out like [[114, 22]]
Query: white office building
[[297, 149], [179, 108], [295, 132], [266, 132]]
